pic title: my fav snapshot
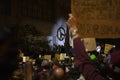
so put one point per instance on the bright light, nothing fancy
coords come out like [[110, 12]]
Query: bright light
[[60, 22], [98, 49], [53, 37]]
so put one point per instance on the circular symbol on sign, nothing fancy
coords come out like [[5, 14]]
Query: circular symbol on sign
[[61, 33]]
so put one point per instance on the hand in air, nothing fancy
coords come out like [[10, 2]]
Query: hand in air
[[72, 23]]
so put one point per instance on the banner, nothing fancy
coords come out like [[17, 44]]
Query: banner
[[97, 18]]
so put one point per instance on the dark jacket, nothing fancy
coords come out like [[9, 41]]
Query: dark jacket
[[82, 60]]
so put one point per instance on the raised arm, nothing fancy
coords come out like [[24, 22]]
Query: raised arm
[[81, 56]]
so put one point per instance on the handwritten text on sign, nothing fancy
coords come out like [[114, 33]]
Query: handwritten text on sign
[[97, 18]]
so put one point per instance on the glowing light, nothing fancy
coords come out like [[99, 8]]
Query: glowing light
[[53, 37], [98, 49], [60, 22]]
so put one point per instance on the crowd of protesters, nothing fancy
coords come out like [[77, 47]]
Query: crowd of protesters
[[56, 70], [81, 69]]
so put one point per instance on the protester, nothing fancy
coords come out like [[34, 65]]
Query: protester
[[81, 56], [44, 74], [82, 59], [58, 74]]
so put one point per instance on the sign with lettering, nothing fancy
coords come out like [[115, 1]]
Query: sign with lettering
[[97, 18]]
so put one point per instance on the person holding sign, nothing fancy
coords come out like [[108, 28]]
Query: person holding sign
[[81, 57], [83, 60]]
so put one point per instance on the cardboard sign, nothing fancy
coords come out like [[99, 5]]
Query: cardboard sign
[[48, 57], [90, 44], [62, 56], [26, 58], [108, 47], [57, 56], [97, 18]]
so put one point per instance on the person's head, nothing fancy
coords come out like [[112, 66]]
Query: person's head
[[8, 50], [58, 74], [45, 64]]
